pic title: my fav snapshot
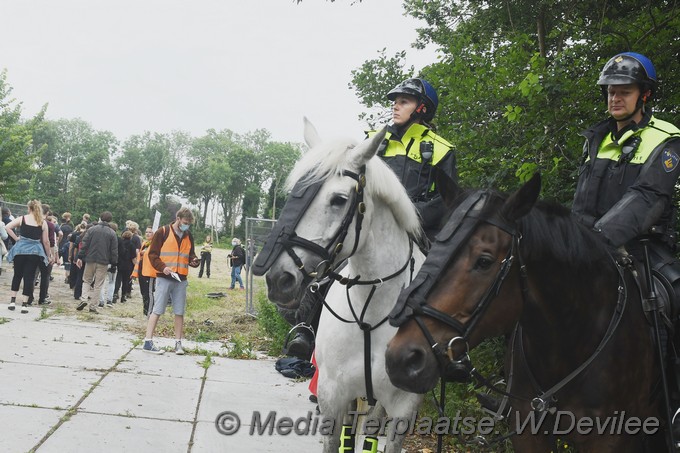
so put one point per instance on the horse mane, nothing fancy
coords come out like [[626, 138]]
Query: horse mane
[[332, 157], [550, 232]]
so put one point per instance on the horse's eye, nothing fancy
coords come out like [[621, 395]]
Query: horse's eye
[[338, 201], [484, 262]]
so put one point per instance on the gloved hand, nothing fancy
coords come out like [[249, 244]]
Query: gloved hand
[[113, 268]]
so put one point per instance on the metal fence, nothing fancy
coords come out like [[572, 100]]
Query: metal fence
[[16, 208], [257, 231]]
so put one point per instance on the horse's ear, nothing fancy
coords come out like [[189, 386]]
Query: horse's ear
[[520, 203], [311, 135], [365, 150], [447, 187]]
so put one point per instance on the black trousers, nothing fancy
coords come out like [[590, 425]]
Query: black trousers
[[25, 267], [205, 260]]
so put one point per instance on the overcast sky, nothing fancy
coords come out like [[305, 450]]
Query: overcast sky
[[129, 66]]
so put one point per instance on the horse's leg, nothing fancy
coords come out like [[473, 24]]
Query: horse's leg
[[333, 404], [402, 408]]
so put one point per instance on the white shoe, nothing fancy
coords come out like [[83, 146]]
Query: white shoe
[[178, 348]]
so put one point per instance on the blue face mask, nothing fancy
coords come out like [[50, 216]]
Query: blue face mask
[[183, 227]]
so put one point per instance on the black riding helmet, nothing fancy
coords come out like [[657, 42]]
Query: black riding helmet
[[629, 67], [424, 93]]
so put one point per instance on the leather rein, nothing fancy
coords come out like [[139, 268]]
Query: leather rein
[[328, 269], [456, 368]]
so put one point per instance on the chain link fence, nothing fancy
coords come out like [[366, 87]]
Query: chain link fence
[[16, 208], [257, 231]]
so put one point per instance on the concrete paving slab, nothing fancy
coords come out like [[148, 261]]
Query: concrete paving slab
[[23, 427], [208, 440], [44, 386], [168, 364], [140, 395], [288, 399], [87, 433], [88, 354], [244, 371]]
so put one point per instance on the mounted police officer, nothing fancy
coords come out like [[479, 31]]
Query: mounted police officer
[[415, 153], [629, 171], [413, 150], [630, 162]]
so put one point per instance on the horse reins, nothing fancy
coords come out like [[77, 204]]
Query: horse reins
[[365, 327], [454, 367], [327, 268]]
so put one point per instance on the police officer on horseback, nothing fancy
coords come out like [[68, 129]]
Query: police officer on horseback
[[415, 153], [630, 162], [628, 174]]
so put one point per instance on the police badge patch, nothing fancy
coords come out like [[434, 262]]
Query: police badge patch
[[669, 160]]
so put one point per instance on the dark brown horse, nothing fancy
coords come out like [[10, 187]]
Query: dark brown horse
[[580, 349]]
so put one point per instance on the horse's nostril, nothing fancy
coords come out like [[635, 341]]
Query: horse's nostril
[[285, 281], [414, 361]]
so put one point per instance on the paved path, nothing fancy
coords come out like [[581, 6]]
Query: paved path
[[71, 386]]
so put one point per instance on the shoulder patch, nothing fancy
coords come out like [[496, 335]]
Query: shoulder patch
[[669, 160]]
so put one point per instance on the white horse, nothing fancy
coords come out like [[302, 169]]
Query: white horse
[[380, 256]]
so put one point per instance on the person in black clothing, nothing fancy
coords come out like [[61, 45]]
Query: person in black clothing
[[237, 259], [416, 154]]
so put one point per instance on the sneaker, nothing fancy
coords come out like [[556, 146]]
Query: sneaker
[[24, 307], [81, 305], [12, 306], [178, 348], [109, 305], [47, 301], [150, 347], [94, 310]]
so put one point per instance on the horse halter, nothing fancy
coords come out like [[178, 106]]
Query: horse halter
[[283, 235], [412, 300]]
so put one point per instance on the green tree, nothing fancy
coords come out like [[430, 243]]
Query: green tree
[[517, 80], [279, 159], [17, 155]]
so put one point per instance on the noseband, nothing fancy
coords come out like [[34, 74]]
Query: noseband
[[412, 301]]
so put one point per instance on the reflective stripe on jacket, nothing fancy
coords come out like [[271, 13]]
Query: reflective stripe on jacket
[[176, 256]]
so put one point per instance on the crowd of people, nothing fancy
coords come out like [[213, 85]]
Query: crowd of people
[[100, 262]]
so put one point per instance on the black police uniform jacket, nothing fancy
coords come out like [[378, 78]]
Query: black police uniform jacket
[[627, 178]]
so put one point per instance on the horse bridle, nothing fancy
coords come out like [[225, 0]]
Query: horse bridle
[[283, 236], [458, 229], [413, 298]]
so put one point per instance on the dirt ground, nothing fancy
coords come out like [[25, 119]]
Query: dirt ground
[[206, 318]]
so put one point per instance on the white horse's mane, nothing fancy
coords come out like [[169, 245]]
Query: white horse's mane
[[332, 157]]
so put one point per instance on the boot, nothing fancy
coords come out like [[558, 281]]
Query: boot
[[302, 345]]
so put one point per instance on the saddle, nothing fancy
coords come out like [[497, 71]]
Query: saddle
[[666, 281]]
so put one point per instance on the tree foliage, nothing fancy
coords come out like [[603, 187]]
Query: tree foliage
[[17, 154], [517, 80]]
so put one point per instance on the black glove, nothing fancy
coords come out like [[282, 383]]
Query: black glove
[[113, 268]]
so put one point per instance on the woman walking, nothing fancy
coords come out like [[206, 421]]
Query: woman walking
[[32, 246]]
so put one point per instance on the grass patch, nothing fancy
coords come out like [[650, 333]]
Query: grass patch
[[4, 320], [242, 348], [207, 361]]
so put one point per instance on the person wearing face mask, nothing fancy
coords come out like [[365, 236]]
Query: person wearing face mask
[[237, 259], [170, 254]]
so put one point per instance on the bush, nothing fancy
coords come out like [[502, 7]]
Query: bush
[[273, 326]]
